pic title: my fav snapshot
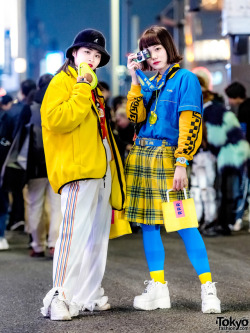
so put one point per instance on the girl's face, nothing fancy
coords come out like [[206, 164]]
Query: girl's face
[[90, 56], [159, 58]]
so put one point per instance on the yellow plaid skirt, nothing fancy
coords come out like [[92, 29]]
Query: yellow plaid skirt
[[149, 173]]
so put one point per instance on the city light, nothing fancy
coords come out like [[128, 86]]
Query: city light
[[213, 49], [2, 92], [53, 61], [9, 21], [205, 74], [20, 65]]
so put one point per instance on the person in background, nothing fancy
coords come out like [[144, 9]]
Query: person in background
[[225, 140], [169, 109], [105, 92], [237, 97], [117, 102], [6, 102], [79, 150], [204, 169], [40, 194], [104, 87], [20, 111], [125, 132], [20, 114], [6, 132]]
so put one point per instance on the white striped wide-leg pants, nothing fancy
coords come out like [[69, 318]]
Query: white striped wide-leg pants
[[81, 249]]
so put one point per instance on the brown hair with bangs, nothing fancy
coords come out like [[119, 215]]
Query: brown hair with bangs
[[159, 35]]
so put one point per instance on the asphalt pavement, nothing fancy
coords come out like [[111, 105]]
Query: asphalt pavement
[[24, 281]]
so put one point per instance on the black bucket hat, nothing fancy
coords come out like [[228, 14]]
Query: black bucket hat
[[92, 39]]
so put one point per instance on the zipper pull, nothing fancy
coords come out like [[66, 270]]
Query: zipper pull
[[104, 181]]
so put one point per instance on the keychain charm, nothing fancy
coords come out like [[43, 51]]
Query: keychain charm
[[152, 118]]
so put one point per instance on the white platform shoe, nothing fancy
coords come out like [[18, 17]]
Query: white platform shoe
[[210, 301], [155, 296]]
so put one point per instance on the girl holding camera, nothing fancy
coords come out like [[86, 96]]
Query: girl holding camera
[[84, 166], [167, 110]]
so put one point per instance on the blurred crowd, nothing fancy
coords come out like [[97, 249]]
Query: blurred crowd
[[218, 174]]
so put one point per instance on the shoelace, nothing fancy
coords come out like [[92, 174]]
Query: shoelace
[[150, 285], [210, 288]]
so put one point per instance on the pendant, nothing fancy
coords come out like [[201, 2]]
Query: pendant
[[101, 112], [152, 118]]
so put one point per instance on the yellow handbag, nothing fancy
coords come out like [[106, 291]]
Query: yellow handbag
[[179, 214], [119, 226]]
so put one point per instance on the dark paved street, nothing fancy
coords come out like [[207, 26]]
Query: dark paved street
[[25, 280]]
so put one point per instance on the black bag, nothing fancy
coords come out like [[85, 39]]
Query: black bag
[[14, 170], [36, 158], [5, 137]]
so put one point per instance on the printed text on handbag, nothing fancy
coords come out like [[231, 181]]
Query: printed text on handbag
[[179, 210]]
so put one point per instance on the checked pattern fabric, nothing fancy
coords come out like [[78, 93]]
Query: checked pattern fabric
[[190, 134], [149, 173], [193, 131]]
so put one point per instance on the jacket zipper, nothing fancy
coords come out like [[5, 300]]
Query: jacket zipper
[[100, 132]]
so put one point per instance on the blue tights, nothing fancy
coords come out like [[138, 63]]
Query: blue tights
[[155, 253]]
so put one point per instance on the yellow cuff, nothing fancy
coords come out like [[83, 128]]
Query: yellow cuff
[[180, 164], [136, 89], [205, 277], [158, 276]]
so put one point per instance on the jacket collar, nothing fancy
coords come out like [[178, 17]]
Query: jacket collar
[[169, 69]]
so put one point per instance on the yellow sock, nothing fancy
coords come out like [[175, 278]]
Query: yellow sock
[[158, 276], [205, 277]]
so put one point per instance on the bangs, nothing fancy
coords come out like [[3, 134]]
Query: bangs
[[156, 35], [149, 39]]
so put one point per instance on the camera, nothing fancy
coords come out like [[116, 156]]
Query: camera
[[142, 55]]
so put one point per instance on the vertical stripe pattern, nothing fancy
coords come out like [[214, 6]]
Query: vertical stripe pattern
[[66, 235]]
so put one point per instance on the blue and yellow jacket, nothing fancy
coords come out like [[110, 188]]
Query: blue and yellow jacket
[[179, 109]]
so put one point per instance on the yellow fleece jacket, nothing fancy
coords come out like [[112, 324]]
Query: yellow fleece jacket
[[72, 137]]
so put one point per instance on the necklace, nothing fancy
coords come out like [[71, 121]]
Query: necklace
[[146, 86], [153, 116]]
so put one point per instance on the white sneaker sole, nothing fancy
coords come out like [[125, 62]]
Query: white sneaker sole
[[52, 317], [162, 303], [59, 317], [212, 306], [105, 307]]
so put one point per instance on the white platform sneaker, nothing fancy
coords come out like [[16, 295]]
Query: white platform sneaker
[[210, 301], [59, 310], [155, 296]]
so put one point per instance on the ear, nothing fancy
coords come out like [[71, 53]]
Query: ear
[[74, 52]]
